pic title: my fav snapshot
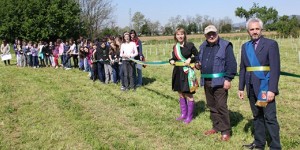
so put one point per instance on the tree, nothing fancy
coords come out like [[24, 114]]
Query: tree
[[198, 21], [168, 31], [145, 30], [226, 28], [138, 20], [192, 28], [267, 15], [288, 27], [39, 20], [95, 15]]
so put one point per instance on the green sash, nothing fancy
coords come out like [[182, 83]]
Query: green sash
[[192, 79]]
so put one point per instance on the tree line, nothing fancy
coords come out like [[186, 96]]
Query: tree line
[[48, 20]]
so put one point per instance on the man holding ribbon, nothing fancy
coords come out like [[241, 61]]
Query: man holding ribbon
[[218, 68], [260, 71]]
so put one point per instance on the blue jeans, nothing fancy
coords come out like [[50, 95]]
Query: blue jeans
[[98, 71], [121, 74], [81, 63], [115, 72], [86, 65]]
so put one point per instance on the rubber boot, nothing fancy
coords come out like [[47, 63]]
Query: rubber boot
[[190, 112], [183, 109]]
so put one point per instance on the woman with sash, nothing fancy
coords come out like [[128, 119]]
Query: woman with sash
[[183, 78]]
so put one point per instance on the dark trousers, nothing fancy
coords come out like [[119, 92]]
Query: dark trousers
[[128, 67], [98, 71], [264, 118], [75, 60], [216, 99], [7, 62]]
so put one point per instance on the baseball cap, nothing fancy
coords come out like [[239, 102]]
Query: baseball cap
[[210, 28]]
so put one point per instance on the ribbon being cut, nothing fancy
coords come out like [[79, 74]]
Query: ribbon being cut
[[258, 71]]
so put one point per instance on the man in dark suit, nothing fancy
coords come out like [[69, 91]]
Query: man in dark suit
[[260, 71]]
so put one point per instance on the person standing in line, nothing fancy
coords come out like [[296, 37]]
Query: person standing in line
[[119, 42], [128, 50], [185, 52], [218, 68], [259, 72], [5, 50], [35, 57], [137, 72], [19, 49], [114, 60]]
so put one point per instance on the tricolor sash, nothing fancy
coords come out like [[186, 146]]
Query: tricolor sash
[[192, 79], [259, 73]]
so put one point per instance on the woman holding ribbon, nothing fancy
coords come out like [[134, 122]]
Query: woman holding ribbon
[[183, 78]]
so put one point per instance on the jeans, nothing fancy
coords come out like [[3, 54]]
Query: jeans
[[108, 72], [115, 72], [86, 65], [98, 71], [29, 60], [128, 73], [35, 61], [139, 79]]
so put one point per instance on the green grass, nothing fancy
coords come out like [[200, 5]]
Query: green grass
[[50, 108]]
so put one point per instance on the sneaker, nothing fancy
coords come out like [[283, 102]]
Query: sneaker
[[68, 68], [123, 88]]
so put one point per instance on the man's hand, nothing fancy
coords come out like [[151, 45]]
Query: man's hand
[[198, 65], [241, 95], [270, 96], [227, 85]]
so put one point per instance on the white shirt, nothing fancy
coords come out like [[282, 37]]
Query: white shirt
[[128, 50]]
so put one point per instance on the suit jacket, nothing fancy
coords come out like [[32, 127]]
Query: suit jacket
[[267, 53]]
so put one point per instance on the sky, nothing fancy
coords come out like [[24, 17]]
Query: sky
[[163, 10]]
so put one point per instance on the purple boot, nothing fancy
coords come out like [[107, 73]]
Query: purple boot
[[183, 109], [190, 112]]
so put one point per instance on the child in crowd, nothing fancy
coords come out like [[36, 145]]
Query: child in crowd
[[114, 56], [34, 52]]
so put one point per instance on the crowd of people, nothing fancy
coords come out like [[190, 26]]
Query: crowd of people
[[106, 59], [111, 60]]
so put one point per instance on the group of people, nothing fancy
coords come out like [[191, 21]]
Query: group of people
[[111, 60], [108, 60], [259, 73]]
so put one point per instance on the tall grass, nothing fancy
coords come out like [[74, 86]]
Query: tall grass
[[50, 108]]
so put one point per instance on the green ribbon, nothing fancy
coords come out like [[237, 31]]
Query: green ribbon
[[153, 63], [214, 75]]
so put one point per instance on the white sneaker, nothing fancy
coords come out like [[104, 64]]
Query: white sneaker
[[68, 68]]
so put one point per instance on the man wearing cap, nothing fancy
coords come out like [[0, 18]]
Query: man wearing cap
[[218, 67]]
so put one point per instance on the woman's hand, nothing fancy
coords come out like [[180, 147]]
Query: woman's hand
[[172, 62], [187, 62]]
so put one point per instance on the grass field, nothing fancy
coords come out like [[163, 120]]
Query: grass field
[[48, 108]]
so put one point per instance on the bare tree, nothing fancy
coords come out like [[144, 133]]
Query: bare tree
[[174, 22], [198, 21], [154, 27], [96, 15], [138, 20]]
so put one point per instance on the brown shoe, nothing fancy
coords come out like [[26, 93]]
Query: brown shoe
[[211, 131], [225, 137]]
